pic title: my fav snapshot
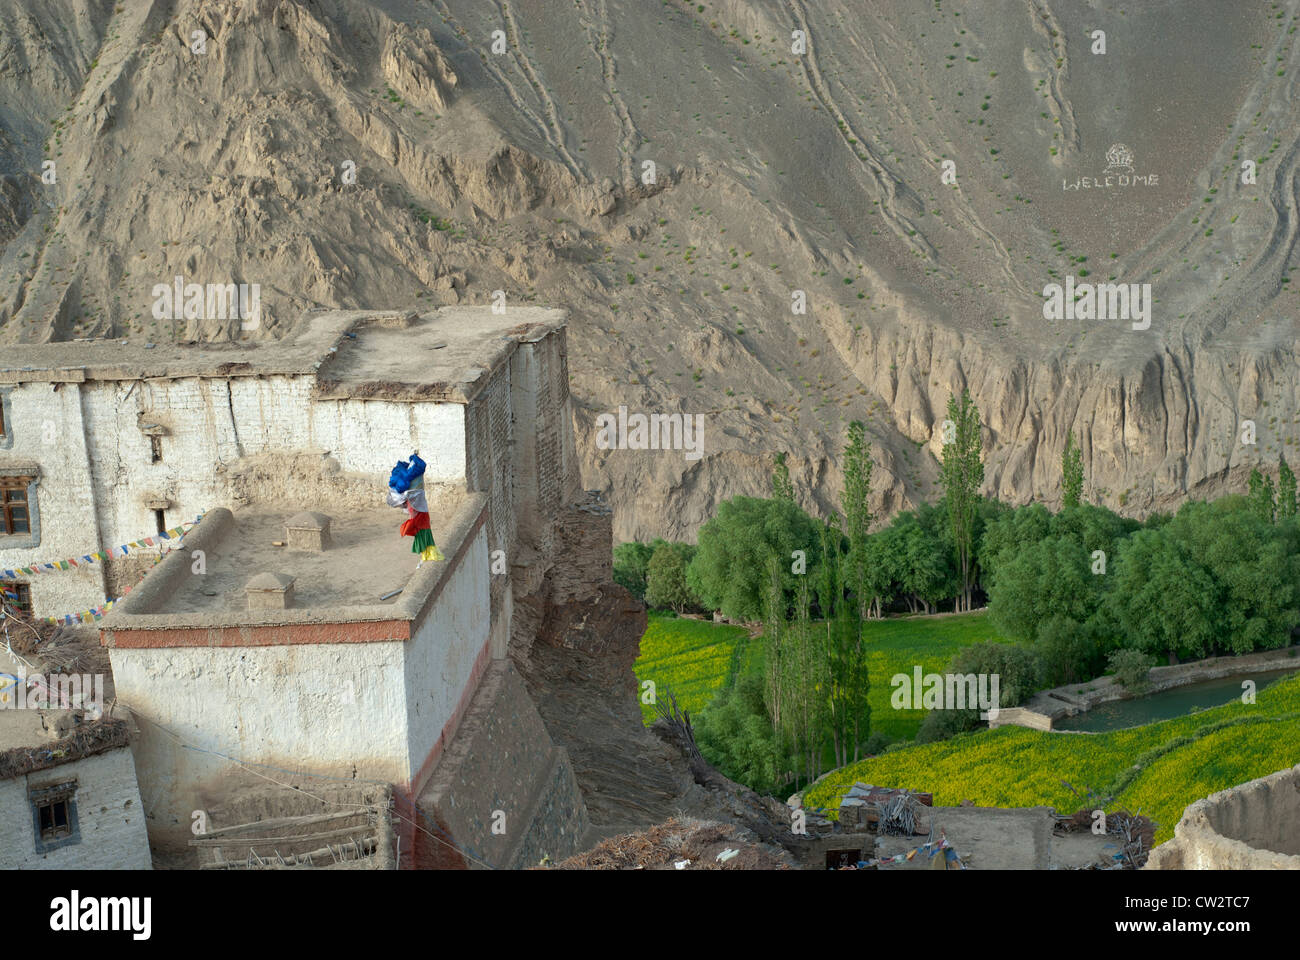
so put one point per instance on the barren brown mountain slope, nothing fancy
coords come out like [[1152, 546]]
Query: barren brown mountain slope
[[775, 172]]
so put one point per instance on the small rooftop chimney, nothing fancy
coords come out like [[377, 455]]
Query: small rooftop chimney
[[307, 531], [270, 591]]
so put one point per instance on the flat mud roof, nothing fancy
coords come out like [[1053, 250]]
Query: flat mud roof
[[399, 354], [340, 594]]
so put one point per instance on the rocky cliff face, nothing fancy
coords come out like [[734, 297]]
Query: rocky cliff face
[[684, 182]]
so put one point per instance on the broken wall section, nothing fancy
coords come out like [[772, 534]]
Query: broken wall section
[[1254, 826]]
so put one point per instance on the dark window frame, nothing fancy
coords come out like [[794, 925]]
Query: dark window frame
[[30, 476], [54, 819], [19, 595], [15, 494], [60, 800]]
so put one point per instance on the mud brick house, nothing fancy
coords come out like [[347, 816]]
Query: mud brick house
[[292, 631], [68, 793]]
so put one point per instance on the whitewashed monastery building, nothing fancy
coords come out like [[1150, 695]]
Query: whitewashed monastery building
[[291, 646]]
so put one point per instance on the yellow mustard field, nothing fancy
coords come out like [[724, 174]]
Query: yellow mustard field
[[1155, 769]]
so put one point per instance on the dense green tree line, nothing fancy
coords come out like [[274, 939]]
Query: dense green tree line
[[1081, 591]]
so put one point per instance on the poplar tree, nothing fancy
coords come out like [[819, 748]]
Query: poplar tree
[[776, 675], [782, 488], [962, 474], [806, 701], [1263, 495], [857, 512], [840, 648], [1071, 473], [1286, 488]]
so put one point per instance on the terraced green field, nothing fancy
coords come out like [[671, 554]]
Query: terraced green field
[[692, 658], [899, 645], [695, 659], [1156, 769]]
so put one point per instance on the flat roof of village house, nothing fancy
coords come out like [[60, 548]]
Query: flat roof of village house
[[25, 743], [18, 728], [366, 558], [443, 354], [336, 592]]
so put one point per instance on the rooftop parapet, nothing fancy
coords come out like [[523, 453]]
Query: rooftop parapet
[[444, 354], [367, 587]]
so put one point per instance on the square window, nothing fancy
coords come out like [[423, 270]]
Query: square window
[[54, 815], [17, 595], [54, 820], [14, 515]]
